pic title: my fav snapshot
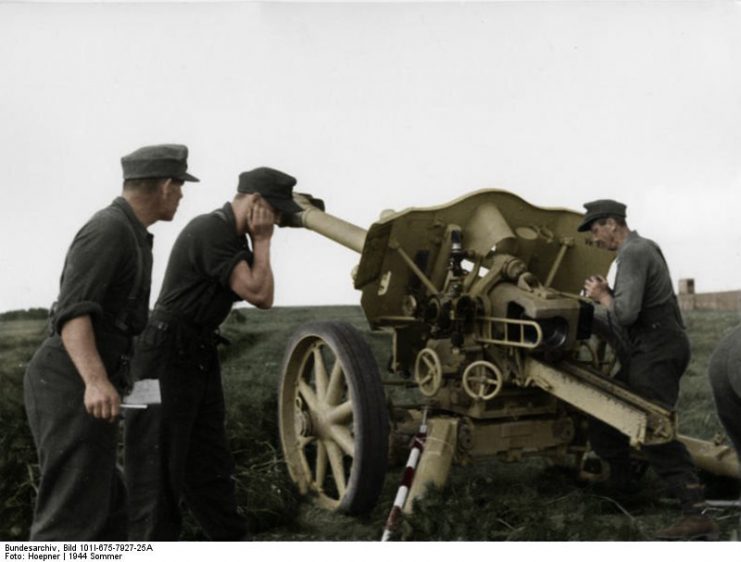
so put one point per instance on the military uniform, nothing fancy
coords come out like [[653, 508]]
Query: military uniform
[[106, 276], [191, 458], [645, 311], [725, 380], [659, 351], [180, 451]]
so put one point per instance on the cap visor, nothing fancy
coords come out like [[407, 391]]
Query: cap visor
[[185, 176], [587, 221], [288, 206]]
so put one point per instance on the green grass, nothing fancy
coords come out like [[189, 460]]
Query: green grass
[[18, 341], [697, 414], [525, 501]]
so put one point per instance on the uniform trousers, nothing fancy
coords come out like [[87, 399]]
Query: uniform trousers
[[657, 359], [179, 451], [81, 495]]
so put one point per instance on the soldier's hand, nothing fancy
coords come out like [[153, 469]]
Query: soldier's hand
[[262, 220], [102, 400], [596, 287]]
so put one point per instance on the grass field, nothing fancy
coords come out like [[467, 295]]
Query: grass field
[[525, 501]]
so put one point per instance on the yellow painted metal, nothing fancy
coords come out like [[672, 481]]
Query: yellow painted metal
[[482, 380], [644, 422], [489, 221], [513, 440], [342, 232], [437, 458], [716, 458], [489, 279], [492, 220], [488, 325]]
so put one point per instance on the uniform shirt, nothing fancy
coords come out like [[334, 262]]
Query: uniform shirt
[[101, 269], [196, 285], [642, 280]]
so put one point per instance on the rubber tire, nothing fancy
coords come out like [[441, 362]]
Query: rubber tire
[[370, 413]]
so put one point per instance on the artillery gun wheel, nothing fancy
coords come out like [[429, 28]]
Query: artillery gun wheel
[[333, 417]]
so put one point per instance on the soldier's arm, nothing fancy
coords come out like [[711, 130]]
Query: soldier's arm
[[255, 284], [101, 398], [630, 285]]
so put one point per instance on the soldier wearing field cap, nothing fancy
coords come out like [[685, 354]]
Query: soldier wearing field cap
[[643, 306], [180, 450], [74, 382]]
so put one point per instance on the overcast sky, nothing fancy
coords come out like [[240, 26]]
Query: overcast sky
[[372, 106]]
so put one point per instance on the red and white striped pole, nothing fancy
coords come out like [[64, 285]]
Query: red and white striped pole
[[418, 445]]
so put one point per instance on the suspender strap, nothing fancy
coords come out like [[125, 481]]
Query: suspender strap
[[122, 318]]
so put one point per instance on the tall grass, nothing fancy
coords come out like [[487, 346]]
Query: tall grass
[[529, 500], [697, 415], [18, 465]]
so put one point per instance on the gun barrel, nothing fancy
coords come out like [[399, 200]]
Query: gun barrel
[[329, 226]]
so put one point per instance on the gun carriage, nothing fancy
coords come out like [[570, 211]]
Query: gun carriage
[[491, 341]]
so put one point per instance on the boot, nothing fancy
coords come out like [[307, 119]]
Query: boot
[[691, 528], [623, 479]]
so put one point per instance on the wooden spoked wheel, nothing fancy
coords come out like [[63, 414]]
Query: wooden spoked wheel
[[333, 417]]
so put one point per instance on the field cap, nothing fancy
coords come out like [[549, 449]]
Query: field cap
[[273, 185], [157, 161], [600, 209]]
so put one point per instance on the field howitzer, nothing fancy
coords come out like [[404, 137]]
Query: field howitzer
[[489, 335]]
